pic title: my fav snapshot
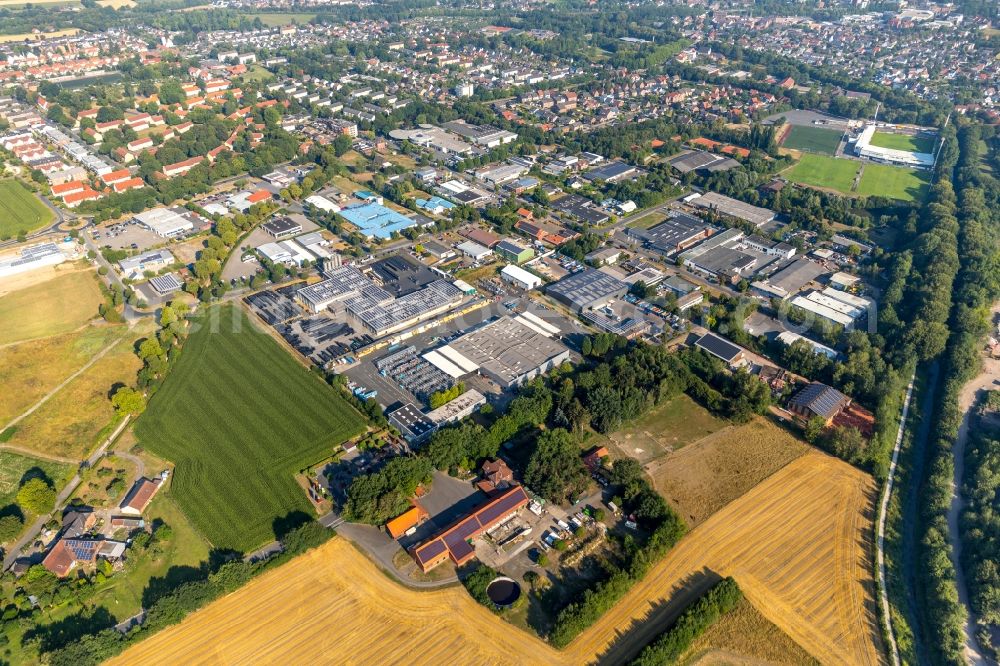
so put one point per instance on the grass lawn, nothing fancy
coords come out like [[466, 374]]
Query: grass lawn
[[648, 220], [36, 367], [668, 427], [257, 73], [813, 139], [273, 20], [70, 422], [894, 182], [239, 417], [20, 210], [913, 144], [822, 171], [59, 305], [14, 468]]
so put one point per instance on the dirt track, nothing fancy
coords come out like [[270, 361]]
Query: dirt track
[[798, 544]]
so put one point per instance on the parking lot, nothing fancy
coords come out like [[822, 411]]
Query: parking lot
[[127, 236]]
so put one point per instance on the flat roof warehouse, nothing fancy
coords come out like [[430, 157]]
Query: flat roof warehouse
[[373, 308], [509, 350], [587, 289]]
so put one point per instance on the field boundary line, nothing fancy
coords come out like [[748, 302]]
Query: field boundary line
[[883, 508]]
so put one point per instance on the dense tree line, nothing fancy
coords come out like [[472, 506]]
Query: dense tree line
[[720, 599], [981, 530], [976, 287]]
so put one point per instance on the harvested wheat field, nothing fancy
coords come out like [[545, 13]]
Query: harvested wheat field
[[703, 477], [797, 544], [744, 636]]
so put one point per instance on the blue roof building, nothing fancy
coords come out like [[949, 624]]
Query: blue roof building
[[434, 205], [374, 219]]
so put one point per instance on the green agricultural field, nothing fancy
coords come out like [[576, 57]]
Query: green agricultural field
[[822, 171], [20, 210], [239, 417], [912, 144], [894, 182], [813, 139]]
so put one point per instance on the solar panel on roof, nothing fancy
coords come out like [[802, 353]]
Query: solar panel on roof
[[430, 550], [502, 507]]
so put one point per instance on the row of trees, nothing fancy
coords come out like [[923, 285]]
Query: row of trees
[[720, 599], [942, 615], [978, 288]]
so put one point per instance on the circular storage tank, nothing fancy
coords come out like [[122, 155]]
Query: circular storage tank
[[503, 591]]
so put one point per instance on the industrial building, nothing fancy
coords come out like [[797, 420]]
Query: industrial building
[[286, 252], [513, 251], [411, 423], [732, 355], [474, 250], [611, 172], [588, 288], [675, 234], [834, 305], [456, 409], [510, 350], [168, 222], [734, 208], [282, 227], [788, 280], [154, 260], [45, 254], [375, 220], [520, 277], [372, 308]]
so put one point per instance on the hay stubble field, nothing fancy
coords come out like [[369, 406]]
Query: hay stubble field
[[796, 543]]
